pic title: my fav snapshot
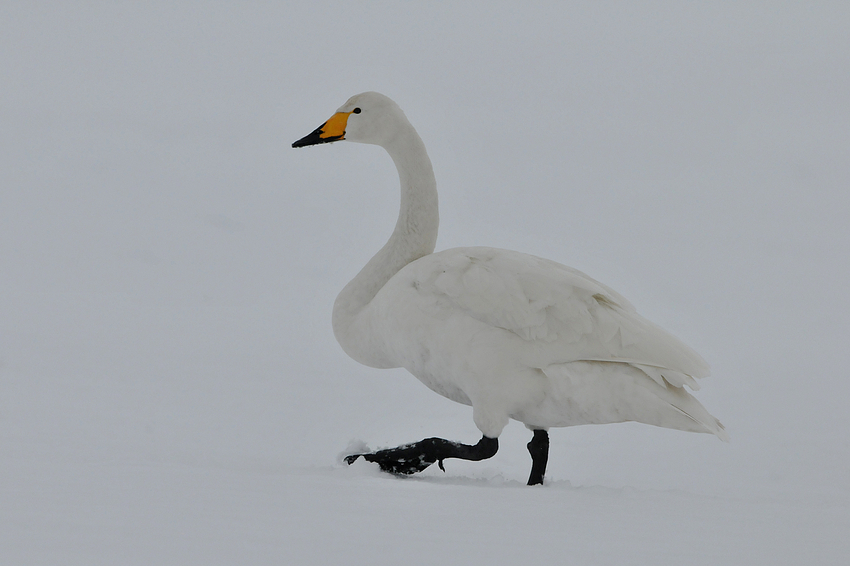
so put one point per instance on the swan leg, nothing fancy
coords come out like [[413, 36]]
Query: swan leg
[[415, 457], [539, 450]]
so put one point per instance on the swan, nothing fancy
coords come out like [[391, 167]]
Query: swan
[[512, 335]]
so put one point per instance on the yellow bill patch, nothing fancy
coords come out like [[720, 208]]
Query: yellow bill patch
[[335, 126]]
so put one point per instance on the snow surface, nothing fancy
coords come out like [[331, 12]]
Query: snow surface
[[170, 389]]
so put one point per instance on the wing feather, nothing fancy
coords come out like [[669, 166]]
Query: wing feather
[[546, 303]]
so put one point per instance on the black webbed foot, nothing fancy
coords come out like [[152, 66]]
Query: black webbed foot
[[415, 457], [403, 460]]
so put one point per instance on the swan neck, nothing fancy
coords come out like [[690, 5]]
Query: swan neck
[[414, 236], [418, 218]]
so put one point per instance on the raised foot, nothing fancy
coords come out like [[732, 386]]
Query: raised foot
[[415, 457]]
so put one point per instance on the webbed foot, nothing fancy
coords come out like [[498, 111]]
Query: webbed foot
[[417, 456]]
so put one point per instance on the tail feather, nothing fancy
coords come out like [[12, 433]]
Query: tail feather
[[687, 404]]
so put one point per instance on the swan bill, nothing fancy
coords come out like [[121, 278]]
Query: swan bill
[[331, 131]]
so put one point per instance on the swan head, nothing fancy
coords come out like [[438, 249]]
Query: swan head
[[369, 117]]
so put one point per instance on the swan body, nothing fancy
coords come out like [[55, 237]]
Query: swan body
[[513, 335]]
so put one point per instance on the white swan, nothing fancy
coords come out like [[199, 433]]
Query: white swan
[[513, 335]]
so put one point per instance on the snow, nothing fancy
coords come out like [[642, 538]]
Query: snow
[[170, 388]]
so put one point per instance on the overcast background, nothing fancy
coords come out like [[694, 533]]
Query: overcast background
[[170, 388]]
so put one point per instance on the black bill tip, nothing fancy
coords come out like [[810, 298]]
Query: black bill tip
[[315, 137]]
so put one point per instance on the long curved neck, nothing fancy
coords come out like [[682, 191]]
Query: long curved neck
[[415, 235]]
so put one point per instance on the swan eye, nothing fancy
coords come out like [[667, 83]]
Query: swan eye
[[356, 111]]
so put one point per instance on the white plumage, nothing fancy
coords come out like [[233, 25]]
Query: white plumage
[[512, 335]]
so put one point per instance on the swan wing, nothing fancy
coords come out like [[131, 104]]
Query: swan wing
[[564, 314]]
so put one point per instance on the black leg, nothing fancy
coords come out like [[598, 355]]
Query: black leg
[[415, 457], [539, 450]]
